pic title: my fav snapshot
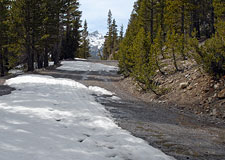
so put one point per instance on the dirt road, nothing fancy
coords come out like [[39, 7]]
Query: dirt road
[[179, 134]]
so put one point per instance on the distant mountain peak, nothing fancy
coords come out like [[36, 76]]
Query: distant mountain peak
[[95, 32], [96, 43]]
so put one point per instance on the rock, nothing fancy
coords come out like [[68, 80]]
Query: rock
[[189, 87], [184, 85], [210, 99], [214, 112], [171, 81], [223, 116], [195, 84], [221, 94], [215, 95], [187, 76], [216, 86], [206, 90]]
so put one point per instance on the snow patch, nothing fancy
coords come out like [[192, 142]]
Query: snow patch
[[85, 66], [100, 91], [53, 119], [16, 71], [80, 59]]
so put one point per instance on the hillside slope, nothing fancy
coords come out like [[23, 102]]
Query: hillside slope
[[190, 90]]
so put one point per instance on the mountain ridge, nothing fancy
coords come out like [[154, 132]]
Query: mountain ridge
[[96, 40]]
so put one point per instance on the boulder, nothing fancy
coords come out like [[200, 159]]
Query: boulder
[[221, 94], [184, 85]]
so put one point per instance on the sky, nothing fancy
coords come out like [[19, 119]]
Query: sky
[[96, 12]]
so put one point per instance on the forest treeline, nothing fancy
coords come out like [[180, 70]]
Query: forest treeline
[[33, 32], [112, 39], [159, 30]]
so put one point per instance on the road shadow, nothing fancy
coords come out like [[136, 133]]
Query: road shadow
[[101, 76]]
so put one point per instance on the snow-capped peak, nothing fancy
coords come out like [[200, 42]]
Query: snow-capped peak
[[96, 43], [96, 39]]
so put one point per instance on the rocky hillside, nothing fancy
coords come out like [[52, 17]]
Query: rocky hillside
[[189, 90]]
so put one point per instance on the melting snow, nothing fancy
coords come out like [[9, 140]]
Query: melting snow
[[58, 119], [100, 91], [85, 66]]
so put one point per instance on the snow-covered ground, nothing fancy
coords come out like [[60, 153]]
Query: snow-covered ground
[[85, 66], [20, 68], [47, 118], [16, 71]]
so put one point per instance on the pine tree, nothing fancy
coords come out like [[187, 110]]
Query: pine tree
[[38, 28], [108, 44], [121, 34], [126, 54], [114, 44], [172, 46], [71, 16], [22, 28], [170, 25], [147, 17], [84, 49], [4, 12], [211, 55], [111, 43], [144, 69], [141, 56], [157, 49], [49, 31]]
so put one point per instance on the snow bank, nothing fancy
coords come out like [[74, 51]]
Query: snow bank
[[85, 66], [80, 59], [16, 71], [58, 119], [100, 91]]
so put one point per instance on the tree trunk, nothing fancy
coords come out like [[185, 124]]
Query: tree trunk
[[2, 63], [196, 20], [163, 36], [182, 32], [29, 54], [158, 66], [212, 17], [174, 60], [152, 21], [57, 48], [39, 61], [46, 57], [162, 20]]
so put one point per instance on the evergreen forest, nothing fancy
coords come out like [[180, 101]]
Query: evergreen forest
[[32, 32], [161, 30]]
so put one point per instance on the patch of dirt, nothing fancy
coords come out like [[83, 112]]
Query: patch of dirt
[[4, 89]]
